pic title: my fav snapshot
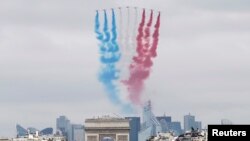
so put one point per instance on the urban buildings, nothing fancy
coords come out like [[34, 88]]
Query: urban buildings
[[150, 125], [168, 125], [164, 122], [107, 129], [63, 125], [189, 123], [135, 124], [37, 137], [4, 139], [21, 131], [175, 127], [77, 132], [72, 132]]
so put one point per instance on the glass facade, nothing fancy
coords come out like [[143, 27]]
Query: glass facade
[[20, 130], [77, 132], [47, 131], [150, 125], [134, 123], [189, 123], [63, 124]]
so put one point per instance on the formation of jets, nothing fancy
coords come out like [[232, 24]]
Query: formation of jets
[[126, 7]]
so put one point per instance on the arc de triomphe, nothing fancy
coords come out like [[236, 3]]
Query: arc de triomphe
[[107, 129]]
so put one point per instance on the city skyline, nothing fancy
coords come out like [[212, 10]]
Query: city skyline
[[49, 61], [66, 126]]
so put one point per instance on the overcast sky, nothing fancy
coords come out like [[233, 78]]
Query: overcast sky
[[49, 61]]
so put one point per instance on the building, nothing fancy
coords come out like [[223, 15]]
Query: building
[[21, 131], [4, 139], [150, 125], [175, 127], [107, 129], [164, 122], [77, 132], [63, 125], [198, 125], [47, 131], [164, 117], [189, 123], [134, 124], [37, 137]]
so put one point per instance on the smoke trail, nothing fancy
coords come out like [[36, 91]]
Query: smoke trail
[[134, 84], [109, 57], [126, 44], [146, 49], [97, 27], [134, 32], [120, 30], [140, 68], [155, 37]]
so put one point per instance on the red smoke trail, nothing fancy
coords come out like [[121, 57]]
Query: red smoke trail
[[139, 37], [141, 65], [155, 37]]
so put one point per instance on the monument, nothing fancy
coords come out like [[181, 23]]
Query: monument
[[107, 129]]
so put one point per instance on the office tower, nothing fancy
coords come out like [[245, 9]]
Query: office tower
[[150, 125], [164, 117], [175, 127], [77, 132], [189, 123], [134, 124], [63, 124], [198, 125], [164, 121]]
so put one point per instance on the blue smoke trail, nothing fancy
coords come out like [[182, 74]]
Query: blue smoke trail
[[110, 56], [97, 27]]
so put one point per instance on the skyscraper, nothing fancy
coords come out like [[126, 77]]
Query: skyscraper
[[77, 132], [134, 124], [150, 125], [63, 124], [189, 123], [164, 117], [175, 127], [164, 121], [198, 125], [20, 130]]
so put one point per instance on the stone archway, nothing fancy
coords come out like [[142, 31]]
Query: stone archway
[[107, 139], [107, 129]]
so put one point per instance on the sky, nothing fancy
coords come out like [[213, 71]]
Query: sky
[[49, 61]]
